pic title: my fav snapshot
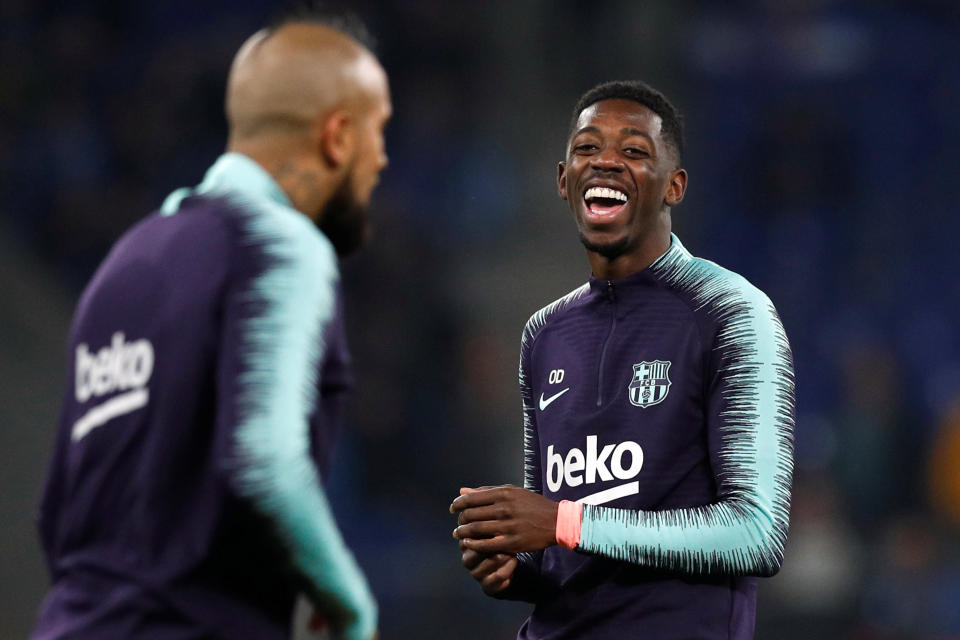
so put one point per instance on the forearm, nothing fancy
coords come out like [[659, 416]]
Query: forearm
[[287, 490], [282, 299], [732, 538]]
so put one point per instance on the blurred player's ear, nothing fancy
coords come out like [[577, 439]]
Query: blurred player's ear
[[562, 179], [676, 188], [338, 139]]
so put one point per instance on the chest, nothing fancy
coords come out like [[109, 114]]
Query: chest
[[617, 388]]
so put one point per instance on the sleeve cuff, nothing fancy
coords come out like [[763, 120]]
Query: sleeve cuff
[[568, 524]]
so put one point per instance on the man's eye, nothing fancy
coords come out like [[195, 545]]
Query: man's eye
[[585, 147], [636, 151]]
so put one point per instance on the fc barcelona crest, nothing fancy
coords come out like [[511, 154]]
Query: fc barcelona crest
[[650, 384]]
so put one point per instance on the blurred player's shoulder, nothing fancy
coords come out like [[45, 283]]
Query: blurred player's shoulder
[[200, 223], [192, 248]]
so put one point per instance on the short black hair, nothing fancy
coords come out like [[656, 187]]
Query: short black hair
[[316, 12], [642, 93]]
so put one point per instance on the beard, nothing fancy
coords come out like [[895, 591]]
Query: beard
[[609, 250], [344, 220]]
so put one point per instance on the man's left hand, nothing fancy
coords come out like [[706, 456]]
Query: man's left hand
[[505, 519]]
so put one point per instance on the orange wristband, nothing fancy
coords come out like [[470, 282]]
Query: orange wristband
[[568, 524]]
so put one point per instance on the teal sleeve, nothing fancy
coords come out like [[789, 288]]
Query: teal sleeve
[[750, 419], [270, 350]]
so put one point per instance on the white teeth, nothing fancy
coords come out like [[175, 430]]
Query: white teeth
[[603, 192]]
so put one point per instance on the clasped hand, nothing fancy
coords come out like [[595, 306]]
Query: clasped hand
[[494, 523]]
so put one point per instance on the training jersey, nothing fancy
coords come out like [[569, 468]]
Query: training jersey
[[663, 402], [207, 378]]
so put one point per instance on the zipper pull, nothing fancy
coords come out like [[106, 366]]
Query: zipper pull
[[611, 295]]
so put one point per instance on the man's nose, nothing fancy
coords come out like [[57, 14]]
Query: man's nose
[[606, 160]]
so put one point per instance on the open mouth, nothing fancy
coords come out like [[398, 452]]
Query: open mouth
[[604, 201]]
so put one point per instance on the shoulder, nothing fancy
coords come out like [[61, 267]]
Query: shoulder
[[736, 314], [284, 236], [174, 247], [717, 292], [271, 239], [539, 320], [741, 319]]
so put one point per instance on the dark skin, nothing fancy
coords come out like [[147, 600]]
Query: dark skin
[[616, 144]]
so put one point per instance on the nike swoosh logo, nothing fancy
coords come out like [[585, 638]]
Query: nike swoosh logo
[[609, 495], [544, 403]]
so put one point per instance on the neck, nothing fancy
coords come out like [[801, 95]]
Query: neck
[[301, 179], [635, 259]]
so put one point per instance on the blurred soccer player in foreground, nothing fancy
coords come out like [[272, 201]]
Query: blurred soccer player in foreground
[[658, 414], [208, 372]]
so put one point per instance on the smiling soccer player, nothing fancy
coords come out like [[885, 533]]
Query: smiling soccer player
[[658, 403]]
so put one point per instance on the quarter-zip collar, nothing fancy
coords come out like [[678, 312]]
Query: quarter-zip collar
[[608, 288]]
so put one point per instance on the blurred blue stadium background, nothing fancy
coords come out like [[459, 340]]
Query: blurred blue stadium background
[[822, 139]]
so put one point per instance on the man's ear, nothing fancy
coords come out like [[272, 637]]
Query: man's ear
[[562, 179], [337, 139], [676, 187]]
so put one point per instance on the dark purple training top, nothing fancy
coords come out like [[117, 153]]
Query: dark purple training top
[[663, 402], [208, 369]]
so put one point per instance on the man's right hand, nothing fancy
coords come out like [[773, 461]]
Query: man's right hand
[[493, 572]]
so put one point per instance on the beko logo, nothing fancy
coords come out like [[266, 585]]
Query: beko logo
[[622, 461], [120, 366]]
